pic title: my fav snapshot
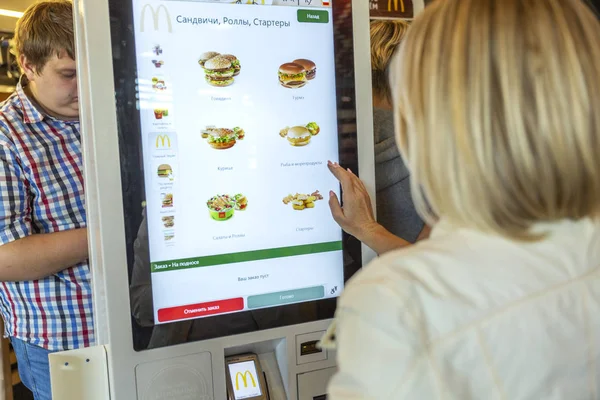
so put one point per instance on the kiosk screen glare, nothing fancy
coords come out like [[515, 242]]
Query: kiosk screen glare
[[238, 119]]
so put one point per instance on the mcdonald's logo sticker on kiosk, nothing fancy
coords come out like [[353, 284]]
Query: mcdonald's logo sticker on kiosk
[[245, 379], [155, 13]]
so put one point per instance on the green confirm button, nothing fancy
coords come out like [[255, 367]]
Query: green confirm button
[[289, 296], [316, 16]]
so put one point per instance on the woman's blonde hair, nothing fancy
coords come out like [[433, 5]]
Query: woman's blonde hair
[[497, 111], [386, 35]]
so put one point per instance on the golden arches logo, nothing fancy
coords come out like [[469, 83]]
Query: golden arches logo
[[244, 377], [162, 140], [155, 17], [395, 5]]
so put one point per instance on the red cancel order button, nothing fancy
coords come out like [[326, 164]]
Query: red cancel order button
[[200, 309]]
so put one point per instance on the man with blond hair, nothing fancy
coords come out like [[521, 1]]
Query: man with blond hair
[[45, 291]]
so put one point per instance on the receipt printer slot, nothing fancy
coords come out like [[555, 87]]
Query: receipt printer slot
[[307, 348], [310, 347]]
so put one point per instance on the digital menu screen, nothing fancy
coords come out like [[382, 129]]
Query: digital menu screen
[[238, 114]]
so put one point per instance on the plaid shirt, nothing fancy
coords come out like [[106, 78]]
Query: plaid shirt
[[41, 191]]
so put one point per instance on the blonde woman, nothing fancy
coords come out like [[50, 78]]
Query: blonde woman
[[395, 209], [497, 110]]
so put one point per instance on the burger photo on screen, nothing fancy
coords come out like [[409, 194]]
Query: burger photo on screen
[[164, 171], [219, 71], [221, 138], [309, 66], [167, 201], [296, 135], [168, 221], [235, 63], [204, 57], [292, 76], [300, 135], [313, 128]]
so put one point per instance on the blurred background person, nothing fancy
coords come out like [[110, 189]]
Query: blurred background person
[[395, 209], [397, 224]]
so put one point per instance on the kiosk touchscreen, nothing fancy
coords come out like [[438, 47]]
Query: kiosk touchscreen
[[225, 137], [237, 132]]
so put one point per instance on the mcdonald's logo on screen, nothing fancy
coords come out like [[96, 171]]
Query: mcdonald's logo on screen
[[395, 5], [163, 142], [156, 13], [244, 377], [391, 8]]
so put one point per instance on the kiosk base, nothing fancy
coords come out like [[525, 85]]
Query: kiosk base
[[295, 369]]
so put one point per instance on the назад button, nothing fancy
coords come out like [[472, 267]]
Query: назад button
[[315, 16], [285, 297]]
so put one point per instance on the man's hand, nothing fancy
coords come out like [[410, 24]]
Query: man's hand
[[39, 256]]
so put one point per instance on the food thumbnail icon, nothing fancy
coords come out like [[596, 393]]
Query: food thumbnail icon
[[223, 207], [167, 200], [168, 221], [300, 135], [159, 84], [222, 138], [301, 202], [220, 69], [165, 171], [160, 113], [295, 74]]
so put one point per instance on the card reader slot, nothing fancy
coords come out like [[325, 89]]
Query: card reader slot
[[310, 347]]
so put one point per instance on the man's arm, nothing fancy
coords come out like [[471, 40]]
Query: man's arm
[[38, 256], [23, 255]]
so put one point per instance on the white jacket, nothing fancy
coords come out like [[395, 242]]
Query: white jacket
[[465, 316]]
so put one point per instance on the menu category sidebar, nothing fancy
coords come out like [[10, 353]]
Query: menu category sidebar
[[155, 101]]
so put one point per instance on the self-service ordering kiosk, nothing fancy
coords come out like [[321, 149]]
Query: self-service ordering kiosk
[[207, 127]]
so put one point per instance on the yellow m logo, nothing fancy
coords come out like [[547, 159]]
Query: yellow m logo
[[244, 377], [396, 5], [155, 16], [163, 140]]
